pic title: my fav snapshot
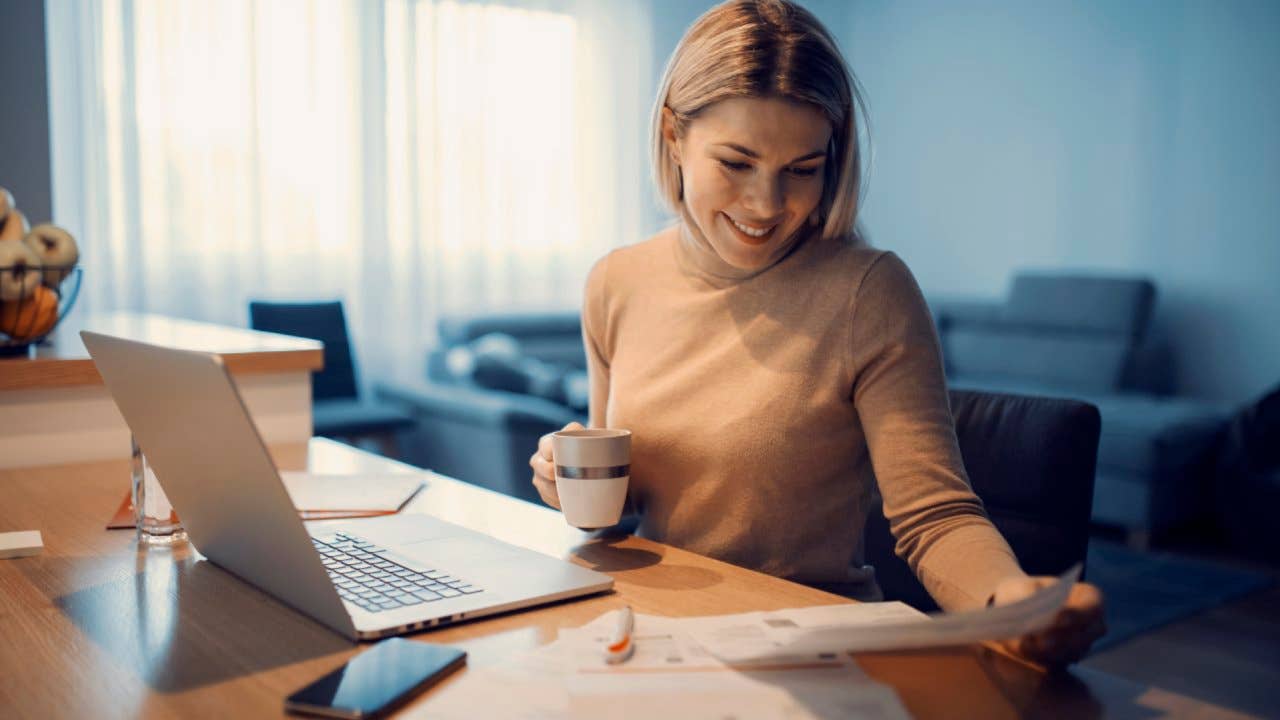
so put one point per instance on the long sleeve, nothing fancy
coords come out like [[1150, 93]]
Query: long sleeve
[[900, 395], [594, 321]]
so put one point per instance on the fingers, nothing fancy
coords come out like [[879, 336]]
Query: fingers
[[1085, 598], [1065, 642], [544, 469], [547, 491], [544, 480], [1014, 590], [1073, 631], [544, 442], [1083, 610]]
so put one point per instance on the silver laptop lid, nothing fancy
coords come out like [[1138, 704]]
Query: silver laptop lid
[[189, 419]]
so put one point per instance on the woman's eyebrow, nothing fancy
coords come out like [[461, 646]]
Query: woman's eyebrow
[[753, 154]]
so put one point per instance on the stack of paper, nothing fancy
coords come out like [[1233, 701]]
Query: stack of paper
[[793, 663], [755, 640], [673, 677]]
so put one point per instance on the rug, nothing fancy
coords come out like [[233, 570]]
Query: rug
[[1146, 590]]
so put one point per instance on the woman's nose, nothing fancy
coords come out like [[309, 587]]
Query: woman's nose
[[765, 196]]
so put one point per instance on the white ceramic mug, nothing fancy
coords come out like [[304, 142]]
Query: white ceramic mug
[[593, 467]]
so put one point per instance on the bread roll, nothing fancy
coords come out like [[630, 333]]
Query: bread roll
[[56, 249], [19, 270], [15, 226]]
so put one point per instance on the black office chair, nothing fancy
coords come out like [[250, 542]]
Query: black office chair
[[1032, 461], [337, 410]]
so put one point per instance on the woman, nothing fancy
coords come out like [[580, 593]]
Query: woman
[[771, 367]]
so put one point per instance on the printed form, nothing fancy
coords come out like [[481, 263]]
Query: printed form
[[794, 664]]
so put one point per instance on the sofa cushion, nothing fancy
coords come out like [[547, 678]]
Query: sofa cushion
[[577, 390], [498, 361], [1077, 362], [1089, 304], [1154, 437], [553, 337], [1157, 439]]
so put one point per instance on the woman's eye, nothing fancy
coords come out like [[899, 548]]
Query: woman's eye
[[735, 166], [804, 172]]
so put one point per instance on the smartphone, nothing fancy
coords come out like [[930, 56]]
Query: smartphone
[[377, 681]]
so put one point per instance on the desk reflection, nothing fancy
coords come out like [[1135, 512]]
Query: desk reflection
[[181, 623]]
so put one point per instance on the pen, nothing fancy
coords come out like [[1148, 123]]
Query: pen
[[621, 644]]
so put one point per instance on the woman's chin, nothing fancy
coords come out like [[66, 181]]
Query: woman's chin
[[745, 257], [748, 256]]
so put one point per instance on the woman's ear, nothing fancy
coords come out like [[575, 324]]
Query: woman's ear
[[669, 134]]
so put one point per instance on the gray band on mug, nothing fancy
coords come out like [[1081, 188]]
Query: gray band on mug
[[593, 473]]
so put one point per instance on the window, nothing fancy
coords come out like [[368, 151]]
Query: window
[[412, 157]]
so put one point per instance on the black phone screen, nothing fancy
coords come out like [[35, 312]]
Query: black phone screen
[[377, 680]]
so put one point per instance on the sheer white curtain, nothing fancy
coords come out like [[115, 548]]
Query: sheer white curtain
[[412, 157]]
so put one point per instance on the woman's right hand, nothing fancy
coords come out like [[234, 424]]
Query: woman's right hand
[[543, 463]]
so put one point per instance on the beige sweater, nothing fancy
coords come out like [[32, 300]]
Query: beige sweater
[[765, 406]]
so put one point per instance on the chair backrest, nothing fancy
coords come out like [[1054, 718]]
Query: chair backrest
[[323, 321], [1031, 460], [1074, 332]]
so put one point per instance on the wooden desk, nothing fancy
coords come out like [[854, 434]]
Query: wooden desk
[[56, 409], [95, 627]]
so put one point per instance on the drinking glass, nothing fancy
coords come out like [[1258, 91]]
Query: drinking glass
[[154, 517]]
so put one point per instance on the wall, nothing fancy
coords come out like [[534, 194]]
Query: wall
[[1133, 137], [24, 112]]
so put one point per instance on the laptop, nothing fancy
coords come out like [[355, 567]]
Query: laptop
[[366, 578]]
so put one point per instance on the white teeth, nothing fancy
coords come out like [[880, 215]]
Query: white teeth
[[750, 231]]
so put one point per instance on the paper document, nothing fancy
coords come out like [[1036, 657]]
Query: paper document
[[758, 639], [350, 493], [672, 677]]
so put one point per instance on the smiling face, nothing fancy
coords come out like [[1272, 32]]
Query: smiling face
[[752, 170]]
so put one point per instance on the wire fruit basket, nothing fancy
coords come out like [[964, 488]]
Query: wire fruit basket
[[28, 320]]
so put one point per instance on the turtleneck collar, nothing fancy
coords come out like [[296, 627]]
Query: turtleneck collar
[[698, 257]]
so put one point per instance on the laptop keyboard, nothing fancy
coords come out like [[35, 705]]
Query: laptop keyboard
[[364, 576]]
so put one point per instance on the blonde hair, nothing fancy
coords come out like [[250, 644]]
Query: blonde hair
[[765, 48]]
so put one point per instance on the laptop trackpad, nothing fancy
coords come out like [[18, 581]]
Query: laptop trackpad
[[457, 552]]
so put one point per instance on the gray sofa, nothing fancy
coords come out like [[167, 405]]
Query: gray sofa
[[495, 384], [1084, 337], [498, 382]]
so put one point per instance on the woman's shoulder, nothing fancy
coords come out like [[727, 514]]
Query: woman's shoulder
[[868, 272], [652, 249], [851, 258], [636, 260]]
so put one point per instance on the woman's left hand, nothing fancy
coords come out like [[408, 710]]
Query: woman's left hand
[[1079, 623]]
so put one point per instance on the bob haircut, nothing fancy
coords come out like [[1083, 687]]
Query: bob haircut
[[759, 49]]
